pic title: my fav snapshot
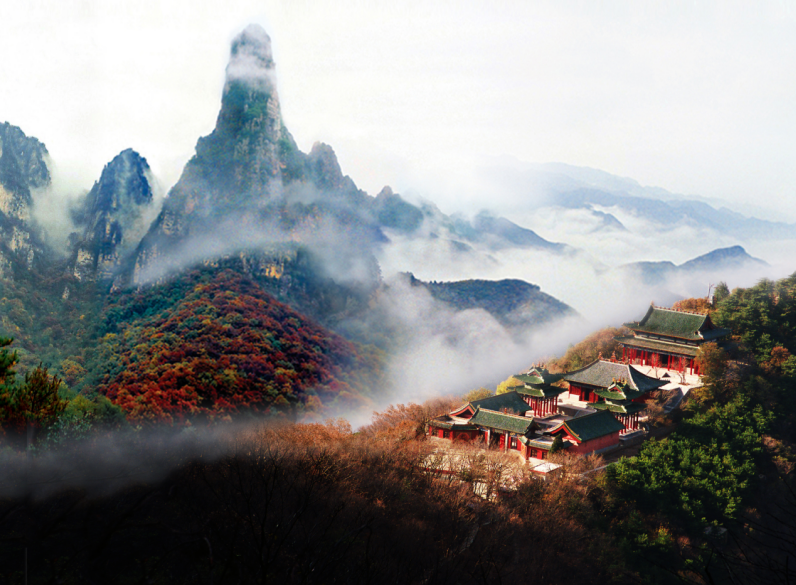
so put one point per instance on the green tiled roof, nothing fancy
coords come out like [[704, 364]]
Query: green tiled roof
[[509, 400], [679, 324], [542, 391], [502, 422], [540, 444], [603, 373], [538, 376], [658, 346], [620, 407], [448, 424], [608, 395], [592, 426], [618, 391]]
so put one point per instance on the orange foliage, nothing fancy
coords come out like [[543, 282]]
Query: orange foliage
[[695, 305], [213, 344], [406, 419]]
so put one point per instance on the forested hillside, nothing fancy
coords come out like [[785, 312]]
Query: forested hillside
[[212, 343]]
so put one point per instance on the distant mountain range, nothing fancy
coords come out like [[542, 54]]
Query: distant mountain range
[[723, 259], [570, 187]]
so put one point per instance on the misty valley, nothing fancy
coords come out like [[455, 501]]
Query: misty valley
[[239, 381]]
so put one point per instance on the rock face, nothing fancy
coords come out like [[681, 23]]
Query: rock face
[[114, 216], [248, 185], [238, 166], [23, 167]]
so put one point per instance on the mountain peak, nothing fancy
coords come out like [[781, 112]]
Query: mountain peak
[[114, 216], [251, 60]]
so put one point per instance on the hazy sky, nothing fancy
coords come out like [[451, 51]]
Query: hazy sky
[[695, 97]]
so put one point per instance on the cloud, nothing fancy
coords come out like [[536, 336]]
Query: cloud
[[53, 204], [112, 460], [251, 59]]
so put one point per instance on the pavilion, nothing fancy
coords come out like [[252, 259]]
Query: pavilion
[[670, 339]]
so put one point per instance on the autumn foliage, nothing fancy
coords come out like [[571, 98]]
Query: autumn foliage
[[213, 344], [693, 305]]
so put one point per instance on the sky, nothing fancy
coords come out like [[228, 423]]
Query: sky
[[694, 97]]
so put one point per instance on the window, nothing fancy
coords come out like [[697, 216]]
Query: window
[[446, 434], [513, 442]]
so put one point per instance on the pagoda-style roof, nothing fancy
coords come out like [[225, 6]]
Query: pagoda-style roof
[[678, 324], [602, 373], [619, 391], [445, 422], [540, 391], [508, 401], [620, 407], [501, 421], [538, 376], [591, 426], [541, 442], [658, 346]]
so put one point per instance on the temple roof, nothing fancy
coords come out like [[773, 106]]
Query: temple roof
[[540, 391], [501, 421], [591, 426], [680, 324], [619, 391], [445, 422], [603, 373], [537, 376], [658, 346], [545, 443], [509, 400], [624, 407]]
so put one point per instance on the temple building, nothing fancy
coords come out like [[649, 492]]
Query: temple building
[[669, 338], [538, 391], [623, 402], [591, 383], [592, 432], [503, 421], [495, 420]]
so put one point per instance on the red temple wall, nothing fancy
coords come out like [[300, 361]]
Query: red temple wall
[[466, 435], [598, 443]]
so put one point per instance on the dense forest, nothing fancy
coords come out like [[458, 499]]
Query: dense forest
[[714, 502], [208, 344]]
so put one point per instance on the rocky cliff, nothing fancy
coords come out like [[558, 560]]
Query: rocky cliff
[[248, 184], [23, 168], [114, 217]]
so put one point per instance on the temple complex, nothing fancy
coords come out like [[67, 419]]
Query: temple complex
[[605, 400], [594, 408], [669, 338]]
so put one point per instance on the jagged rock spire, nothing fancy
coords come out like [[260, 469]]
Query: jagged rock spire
[[23, 167], [114, 216], [251, 60], [238, 169]]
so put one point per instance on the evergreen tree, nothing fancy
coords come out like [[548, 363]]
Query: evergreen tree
[[7, 361]]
